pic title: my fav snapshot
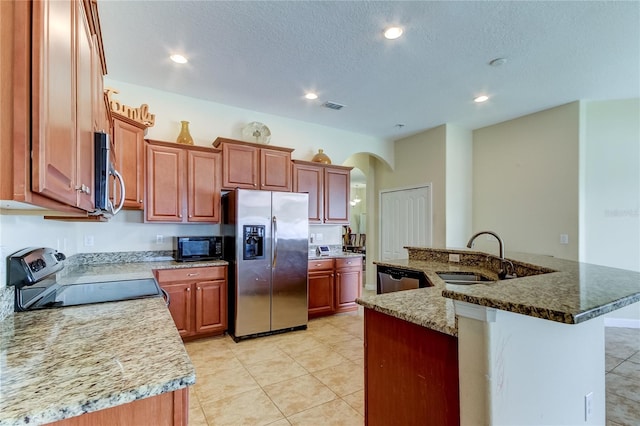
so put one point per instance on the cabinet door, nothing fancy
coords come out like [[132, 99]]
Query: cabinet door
[[275, 170], [203, 184], [321, 293], [165, 182], [84, 110], [240, 166], [53, 118], [180, 303], [336, 195], [211, 306], [310, 179], [129, 147], [348, 283]]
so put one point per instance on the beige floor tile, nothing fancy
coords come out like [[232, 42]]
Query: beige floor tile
[[623, 386], [196, 415], [283, 422], [628, 369], [342, 379], [350, 349], [299, 394], [329, 333], [275, 370], [611, 362], [622, 410], [249, 408], [635, 357], [335, 412], [319, 359], [224, 384], [253, 352], [356, 401], [299, 344], [206, 366]]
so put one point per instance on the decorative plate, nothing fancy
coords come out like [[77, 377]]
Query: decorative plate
[[256, 132]]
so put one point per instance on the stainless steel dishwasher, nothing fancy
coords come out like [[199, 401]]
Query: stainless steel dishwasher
[[392, 279]]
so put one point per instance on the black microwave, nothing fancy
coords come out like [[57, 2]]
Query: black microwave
[[191, 249]]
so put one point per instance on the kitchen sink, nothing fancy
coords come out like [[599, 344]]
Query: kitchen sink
[[463, 278]]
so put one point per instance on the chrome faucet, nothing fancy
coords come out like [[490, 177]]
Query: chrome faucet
[[504, 263]]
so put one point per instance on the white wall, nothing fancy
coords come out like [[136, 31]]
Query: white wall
[[209, 120], [459, 168], [526, 182]]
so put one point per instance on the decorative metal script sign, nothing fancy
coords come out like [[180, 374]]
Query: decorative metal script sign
[[140, 114]]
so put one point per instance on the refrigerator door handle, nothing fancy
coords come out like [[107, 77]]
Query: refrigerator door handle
[[275, 242]]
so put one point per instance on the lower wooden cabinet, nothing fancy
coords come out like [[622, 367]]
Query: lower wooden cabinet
[[334, 285], [198, 299], [166, 409]]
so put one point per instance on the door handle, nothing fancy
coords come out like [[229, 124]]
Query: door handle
[[275, 241]]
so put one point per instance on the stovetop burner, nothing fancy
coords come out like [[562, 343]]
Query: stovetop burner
[[32, 272]]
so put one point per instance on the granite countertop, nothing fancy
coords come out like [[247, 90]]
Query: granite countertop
[[336, 255], [567, 291], [59, 363]]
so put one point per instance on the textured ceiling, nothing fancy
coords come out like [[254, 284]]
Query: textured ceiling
[[264, 55]]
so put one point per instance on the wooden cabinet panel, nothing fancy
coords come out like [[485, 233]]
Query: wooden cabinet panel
[[310, 179], [128, 137], [336, 195], [348, 283], [411, 373], [275, 170], [200, 308], [165, 184], [240, 166], [211, 306], [321, 265], [183, 184], [203, 184], [166, 409], [54, 153], [321, 293], [180, 304]]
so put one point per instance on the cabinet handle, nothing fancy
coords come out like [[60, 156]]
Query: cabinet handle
[[140, 201], [190, 215], [199, 288], [188, 288], [318, 264], [332, 275], [255, 184], [193, 274], [180, 216]]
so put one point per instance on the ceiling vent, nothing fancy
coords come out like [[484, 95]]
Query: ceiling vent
[[332, 105]]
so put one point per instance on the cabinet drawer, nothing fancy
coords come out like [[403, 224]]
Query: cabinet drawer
[[191, 274], [349, 262], [320, 264]]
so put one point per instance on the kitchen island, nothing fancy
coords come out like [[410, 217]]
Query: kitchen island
[[530, 349], [120, 361]]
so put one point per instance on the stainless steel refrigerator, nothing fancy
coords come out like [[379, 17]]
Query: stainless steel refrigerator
[[267, 247]]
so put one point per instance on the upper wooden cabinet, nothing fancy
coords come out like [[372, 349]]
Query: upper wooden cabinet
[[183, 183], [328, 187], [128, 138], [50, 80], [248, 165]]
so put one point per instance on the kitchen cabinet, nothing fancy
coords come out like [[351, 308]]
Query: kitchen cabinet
[[198, 299], [328, 187], [248, 165], [48, 89], [183, 183], [128, 139], [334, 285], [348, 283], [166, 409], [411, 373], [321, 287]]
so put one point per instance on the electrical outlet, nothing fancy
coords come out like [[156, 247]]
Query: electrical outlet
[[88, 240], [564, 238], [319, 237], [159, 239], [454, 257], [588, 406]]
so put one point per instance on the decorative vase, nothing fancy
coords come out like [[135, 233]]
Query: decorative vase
[[185, 137], [321, 157]]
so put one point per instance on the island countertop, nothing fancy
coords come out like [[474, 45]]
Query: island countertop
[[59, 363], [568, 292]]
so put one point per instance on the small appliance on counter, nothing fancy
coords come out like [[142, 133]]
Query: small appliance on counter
[[193, 249], [32, 271], [323, 251]]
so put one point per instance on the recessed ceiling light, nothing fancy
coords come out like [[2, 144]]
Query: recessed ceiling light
[[497, 62], [481, 98], [392, 33], [178, 59], [311, 96]]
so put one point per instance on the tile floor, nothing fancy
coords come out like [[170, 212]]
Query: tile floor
[[315, 377]]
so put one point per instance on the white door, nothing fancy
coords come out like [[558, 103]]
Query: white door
[[405, 220]]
